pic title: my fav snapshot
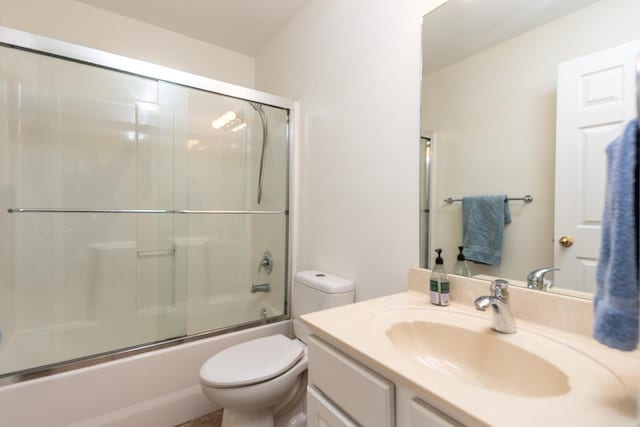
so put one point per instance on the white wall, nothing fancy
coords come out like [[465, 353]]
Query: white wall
[[429, 5], [494, 114], [355, 69], [86, 25]]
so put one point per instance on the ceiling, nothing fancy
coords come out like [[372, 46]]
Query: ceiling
[[460, 28], [244, 26]]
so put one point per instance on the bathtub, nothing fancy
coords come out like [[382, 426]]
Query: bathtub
[[157, 388]]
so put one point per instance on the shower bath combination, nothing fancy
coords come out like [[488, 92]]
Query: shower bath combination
[[99, 173]]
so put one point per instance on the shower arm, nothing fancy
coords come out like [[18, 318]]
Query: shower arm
[[263, 120]]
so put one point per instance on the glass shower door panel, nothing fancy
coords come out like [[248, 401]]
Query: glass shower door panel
[[158, 267], [78, 137], [219, 142], [76, 140], [224, 253]]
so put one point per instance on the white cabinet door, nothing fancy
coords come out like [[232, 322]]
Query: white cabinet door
[[596, 98], [367, 397], [423, 415], [321, 413]]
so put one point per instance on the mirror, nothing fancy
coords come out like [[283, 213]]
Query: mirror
[[503, 82]]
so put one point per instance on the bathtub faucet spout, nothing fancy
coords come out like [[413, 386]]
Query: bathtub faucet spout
[[264, 287]]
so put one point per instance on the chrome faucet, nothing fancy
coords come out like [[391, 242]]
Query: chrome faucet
[[502, 320], [264, 287], [536, 280]]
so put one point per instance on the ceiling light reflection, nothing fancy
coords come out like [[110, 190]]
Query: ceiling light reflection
[[239, 127], [224, 119]]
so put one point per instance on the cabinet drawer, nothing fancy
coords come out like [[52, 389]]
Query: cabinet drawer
[[423, 415], [361, 393], [321, 413]]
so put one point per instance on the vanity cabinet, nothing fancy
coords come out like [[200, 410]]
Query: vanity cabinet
[[360, 393], [421, 414], [343, 392], [322, 413]]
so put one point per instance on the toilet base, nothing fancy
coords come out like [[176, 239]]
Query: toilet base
[[294, 417], [260, 418]]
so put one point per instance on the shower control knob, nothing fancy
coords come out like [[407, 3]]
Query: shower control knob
[[266, 262]]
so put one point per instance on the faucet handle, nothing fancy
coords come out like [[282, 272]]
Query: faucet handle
[[546, 283], [536, 279], [266, 262], [499, 289], [540, 272]]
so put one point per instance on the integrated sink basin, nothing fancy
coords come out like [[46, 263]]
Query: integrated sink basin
[[463, 346], [482, 357], [548, 372]]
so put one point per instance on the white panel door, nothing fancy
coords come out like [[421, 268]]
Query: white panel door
[[596, 98]]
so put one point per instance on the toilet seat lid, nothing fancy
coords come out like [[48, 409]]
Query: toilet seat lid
[[251, 362]]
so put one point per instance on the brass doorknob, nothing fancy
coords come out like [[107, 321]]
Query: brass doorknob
[[566, 241]]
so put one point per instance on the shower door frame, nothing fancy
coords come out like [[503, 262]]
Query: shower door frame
[[16, 39]]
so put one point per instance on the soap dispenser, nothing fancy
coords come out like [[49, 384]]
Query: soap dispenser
[[439, 282], [461, 268]]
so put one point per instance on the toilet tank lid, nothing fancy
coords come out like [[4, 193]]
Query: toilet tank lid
[[324, 282]]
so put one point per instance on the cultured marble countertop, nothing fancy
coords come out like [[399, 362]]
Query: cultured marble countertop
[[603, 382]]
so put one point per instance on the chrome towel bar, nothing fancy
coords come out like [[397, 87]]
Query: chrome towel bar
[[527, 198], [148, 254], [74, 210], [187, 211], [143, 211]]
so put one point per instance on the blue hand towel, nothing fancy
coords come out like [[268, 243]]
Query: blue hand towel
[[616, 301], [483, 221]]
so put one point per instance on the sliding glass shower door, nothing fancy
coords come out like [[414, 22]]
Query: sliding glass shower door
[[129, 210], [217, 169]]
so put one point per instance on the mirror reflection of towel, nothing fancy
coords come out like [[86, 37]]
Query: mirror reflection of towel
[[483, 221]]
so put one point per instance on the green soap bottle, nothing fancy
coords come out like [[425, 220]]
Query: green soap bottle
[[439, 282]]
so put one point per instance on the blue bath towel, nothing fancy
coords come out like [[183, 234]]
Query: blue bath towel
[[616, 301], [483, 221]]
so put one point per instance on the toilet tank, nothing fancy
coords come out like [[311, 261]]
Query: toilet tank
[[316, 290]]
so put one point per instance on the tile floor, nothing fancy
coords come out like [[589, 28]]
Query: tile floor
[[213, 419]]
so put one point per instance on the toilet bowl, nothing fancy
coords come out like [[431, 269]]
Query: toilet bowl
[[251, 379], [262, 382]]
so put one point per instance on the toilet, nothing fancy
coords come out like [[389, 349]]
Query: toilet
[[262, 382]]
